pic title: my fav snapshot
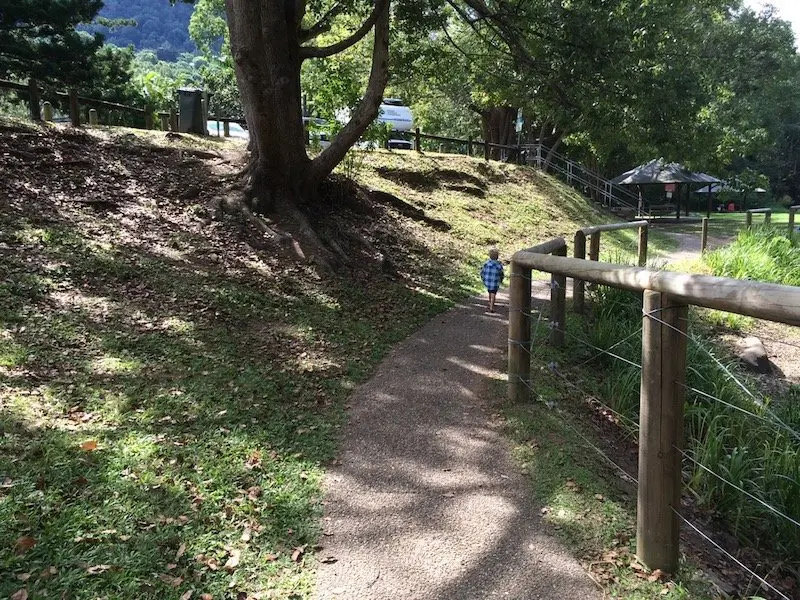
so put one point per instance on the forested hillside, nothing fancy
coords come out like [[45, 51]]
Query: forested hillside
[[160, 26]]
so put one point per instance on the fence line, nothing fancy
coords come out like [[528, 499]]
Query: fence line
[[663, 387], [74, 99]]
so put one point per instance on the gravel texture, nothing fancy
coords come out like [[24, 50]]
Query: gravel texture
[[426, 501]]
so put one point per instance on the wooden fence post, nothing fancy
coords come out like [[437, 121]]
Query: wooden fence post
[[34, 100], [767, 217], [74, 108], [661, 430], [47, 111], [558, 304], [226, 129], [417, 140], [93, 116], [578, 285], [704, 235], [792, 211], [469, 146], [486, 150], [642, 258], [148, 119], [519, 333], [173, 119], [748, 220]]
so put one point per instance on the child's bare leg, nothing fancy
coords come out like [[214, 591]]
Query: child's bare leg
[[492, 296]]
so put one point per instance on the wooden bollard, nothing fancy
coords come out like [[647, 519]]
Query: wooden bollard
[[148, 120], [661, 430], [173, 119], [47, 111], [486, 150], [748, 220], [469, 146], [93, 116], [767, 217], [74, 108], [417, 140], [34, 100], [226, 129], [164, 119]]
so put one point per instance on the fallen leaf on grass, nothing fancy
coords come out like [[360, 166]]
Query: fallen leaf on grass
[[179, 553], [89, 445], [97, 569], [48, 573], [170, 580], [206, 597], [20, 595], [247, 534], [656, 575], [23, 576], [329, 560], [233, 560], [298, 552], [599, 497], [23, 544], [271, 557], [187, 594]]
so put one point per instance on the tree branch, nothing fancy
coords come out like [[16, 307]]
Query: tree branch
[[357, 36], [367, 109], [323, 25]]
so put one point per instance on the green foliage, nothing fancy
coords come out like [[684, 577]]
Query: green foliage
[[758, 451], [762, 254], [157, 80], [38, 39]]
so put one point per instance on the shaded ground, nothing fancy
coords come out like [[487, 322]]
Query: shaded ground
[[425, 500]]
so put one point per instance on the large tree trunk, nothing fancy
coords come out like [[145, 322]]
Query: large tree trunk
[[498, 127], [267, 53], [265, 48]]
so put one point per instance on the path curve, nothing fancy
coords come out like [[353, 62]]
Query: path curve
[[427, 502]]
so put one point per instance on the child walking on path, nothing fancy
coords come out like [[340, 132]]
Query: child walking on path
[[492, 276]]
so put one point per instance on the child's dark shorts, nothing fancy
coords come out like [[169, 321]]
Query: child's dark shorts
[[494, 291]]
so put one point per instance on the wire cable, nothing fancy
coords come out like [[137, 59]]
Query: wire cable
[[761, 580]]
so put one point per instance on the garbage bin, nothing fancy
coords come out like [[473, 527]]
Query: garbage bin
[[190, 105]]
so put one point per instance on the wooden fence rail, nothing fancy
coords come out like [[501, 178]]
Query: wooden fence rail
[[767, 212], [593, 233], [74, 99], [667, 296]]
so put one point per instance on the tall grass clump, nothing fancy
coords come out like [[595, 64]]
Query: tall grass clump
[[745, 438], [763, 254]]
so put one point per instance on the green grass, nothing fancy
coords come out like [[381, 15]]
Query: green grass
[[762, 254], [758, 453], [585, 501], [200, 435], [163, 414]]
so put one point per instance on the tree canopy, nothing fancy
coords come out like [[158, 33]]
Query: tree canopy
[[38, 38]]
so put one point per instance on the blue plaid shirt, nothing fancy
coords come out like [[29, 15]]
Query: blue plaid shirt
[[492, 274]]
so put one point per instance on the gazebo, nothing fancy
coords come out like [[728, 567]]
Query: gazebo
[[660, 172]]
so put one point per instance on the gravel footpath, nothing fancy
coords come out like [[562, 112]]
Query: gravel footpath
[[426, 502]]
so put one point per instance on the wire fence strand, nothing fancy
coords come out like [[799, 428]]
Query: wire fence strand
[[730, 556], [626, 475], [738, 488]]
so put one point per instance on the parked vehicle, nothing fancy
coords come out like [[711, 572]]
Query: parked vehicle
[[393, 112], [236, 130]]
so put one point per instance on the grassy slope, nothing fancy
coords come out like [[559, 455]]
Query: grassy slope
[[170, 389]]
